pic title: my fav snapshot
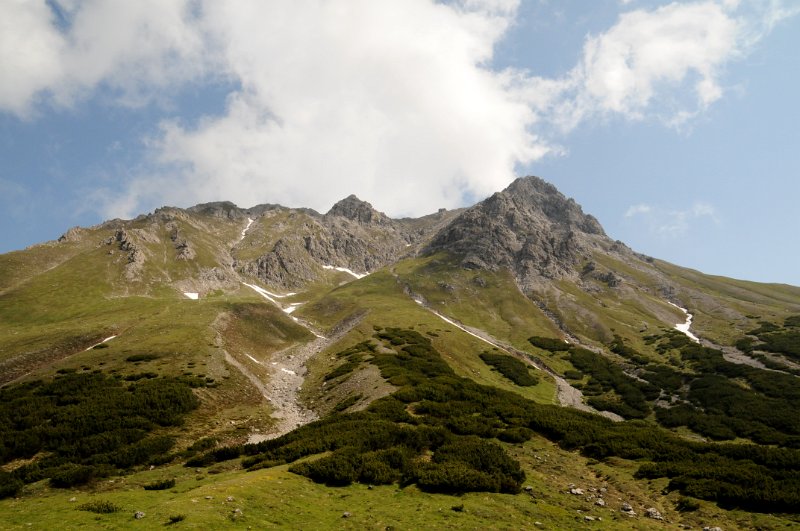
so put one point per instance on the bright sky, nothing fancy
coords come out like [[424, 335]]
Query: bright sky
[[675, 123]]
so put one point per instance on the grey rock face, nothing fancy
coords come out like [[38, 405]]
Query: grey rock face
[[219, 209], [136, 256], [327, 241], [530, 228], [72, 235], [183, 249], [355, 209], [352, 235]]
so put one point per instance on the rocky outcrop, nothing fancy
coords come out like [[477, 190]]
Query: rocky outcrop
[[183, 250], [354, 209], [350, 235], [530, 228], [285, 265], [72, 235], [219, 209], [297, 258], [135, 255]]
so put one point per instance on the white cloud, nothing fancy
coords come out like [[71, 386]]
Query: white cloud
[[673, 223], [396, 100], [389, 100], [138, 49], [29, 53], [647, 62], [638, 209]]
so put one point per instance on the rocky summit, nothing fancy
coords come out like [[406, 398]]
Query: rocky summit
[[529, 228], [502, 366]]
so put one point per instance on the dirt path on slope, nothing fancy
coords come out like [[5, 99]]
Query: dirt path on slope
[[287, 372]]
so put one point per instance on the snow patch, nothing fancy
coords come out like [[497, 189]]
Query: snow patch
[[191, 295], [264, 293], [287, 371], [345, 270], [106, 340], [288, 310], [462, 328], [292, 307], [244, 230], [252, 358], [268, 294], [684, 327]]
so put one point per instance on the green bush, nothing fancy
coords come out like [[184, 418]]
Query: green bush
[[516, 435], [687, 505], [548, 343], [456, 477], [605, 376], [338, 469], [142, 357], [71, 475], [10, 486], [163, 484], [510, 367], [201, 445], [88, 425], [99, 507], [347, 402]]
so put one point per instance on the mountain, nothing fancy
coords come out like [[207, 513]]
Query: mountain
[[529, 228], [510, 353]]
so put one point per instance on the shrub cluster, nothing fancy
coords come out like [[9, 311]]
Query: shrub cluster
[[510, 367], [353, 357], [99, 507], [163, 484], [608, 388], [783, 340], [87, 425], [727, 400]]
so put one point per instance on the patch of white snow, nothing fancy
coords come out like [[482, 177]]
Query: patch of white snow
[[345, 270], [684, 327], [106, 340], [244, 230], [269, 296], [462, 328], [191, 295], [261, 291], [292, 307], [288, 371]]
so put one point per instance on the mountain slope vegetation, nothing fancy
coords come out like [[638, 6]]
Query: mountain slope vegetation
[[495, 366]]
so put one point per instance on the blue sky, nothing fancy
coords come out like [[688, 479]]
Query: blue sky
[[675, 123]]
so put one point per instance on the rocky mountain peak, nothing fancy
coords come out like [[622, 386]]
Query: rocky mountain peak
[[530, 228], [533, 195], [218, 209], [353, 208]]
